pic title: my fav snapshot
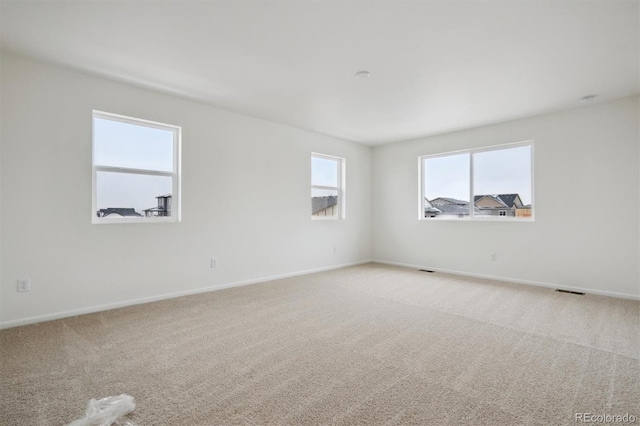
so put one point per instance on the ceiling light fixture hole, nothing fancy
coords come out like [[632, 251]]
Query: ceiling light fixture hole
[[588, 98]]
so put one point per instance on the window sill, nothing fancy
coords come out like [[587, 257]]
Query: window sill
[[120, 220], [476, 219]]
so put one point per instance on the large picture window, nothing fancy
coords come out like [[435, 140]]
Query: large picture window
[[135, 170], [327, 187], [489, 183]]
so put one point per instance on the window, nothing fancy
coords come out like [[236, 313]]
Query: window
[[136, 173], [327, 187], [498, 179]]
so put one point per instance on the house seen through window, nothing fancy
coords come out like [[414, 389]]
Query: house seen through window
[[327, 187], [135, 170], [494, 182]]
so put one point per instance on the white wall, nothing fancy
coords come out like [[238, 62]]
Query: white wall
[[585, 233], [2, 106], [246, 199]]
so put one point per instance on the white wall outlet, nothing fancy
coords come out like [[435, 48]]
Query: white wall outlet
[[494, 257], [24, 284], [335, 249], [214, 262]]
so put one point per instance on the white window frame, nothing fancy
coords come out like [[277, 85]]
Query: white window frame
[[174, 175], [472, 217], [341, 188]]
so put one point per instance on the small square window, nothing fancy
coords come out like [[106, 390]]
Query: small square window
[[135, 170], [327, 187]]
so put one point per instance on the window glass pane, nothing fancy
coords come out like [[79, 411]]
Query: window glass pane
[[324, 202], [133, 195], [446, 186], [324, 172], [119, 144], [502, 182]]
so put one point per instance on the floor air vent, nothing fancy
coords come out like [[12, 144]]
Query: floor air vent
[[570, 292], [425, 270]]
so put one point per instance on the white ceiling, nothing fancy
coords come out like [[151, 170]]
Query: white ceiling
[[435, 66]]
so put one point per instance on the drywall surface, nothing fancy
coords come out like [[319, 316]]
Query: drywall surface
[[1, 115], [585, 233], [245, 199]]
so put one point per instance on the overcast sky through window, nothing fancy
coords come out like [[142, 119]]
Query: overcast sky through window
[[504, 171], [324, 172], [119, 144]]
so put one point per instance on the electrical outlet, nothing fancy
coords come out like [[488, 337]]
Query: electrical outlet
[[494, 256], [335, 249], [214, 263], [24, 284]]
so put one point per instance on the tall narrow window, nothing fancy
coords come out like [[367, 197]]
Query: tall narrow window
[[487, 183], [446, 186], [135, 170], [327, 187]]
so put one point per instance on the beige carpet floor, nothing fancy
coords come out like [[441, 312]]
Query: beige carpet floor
[[367, 345]]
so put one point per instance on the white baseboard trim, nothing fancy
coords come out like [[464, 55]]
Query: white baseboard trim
[[139, 301], [515, 280]]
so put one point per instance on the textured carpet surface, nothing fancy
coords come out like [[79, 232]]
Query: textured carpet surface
[[366, 345]]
